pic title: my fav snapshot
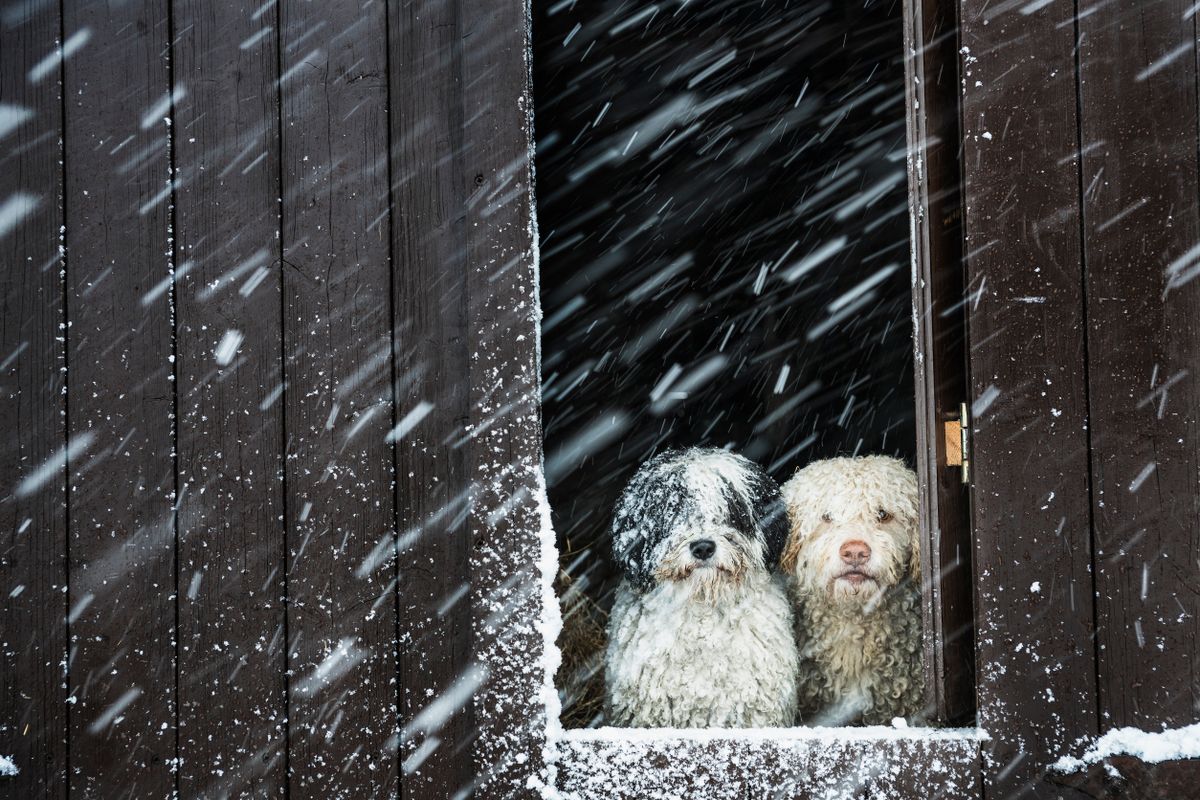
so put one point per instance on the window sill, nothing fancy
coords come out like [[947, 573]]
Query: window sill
[[899, 763]]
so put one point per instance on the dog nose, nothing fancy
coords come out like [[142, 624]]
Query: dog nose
[[855, 553], [703, 549]]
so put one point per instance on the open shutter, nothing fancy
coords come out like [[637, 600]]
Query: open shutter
[[939, 337]]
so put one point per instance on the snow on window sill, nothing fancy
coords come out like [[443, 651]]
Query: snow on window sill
[[873, 733], [733, 764], [1153, 747]]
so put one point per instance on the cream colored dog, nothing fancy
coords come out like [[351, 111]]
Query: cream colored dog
[[853, 559]]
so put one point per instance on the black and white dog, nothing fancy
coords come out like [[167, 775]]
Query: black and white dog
[[701, 631]]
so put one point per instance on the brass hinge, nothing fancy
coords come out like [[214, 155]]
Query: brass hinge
[[955, 432]]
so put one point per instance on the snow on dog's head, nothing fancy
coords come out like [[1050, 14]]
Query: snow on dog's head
[[701, 520], [853, 528]]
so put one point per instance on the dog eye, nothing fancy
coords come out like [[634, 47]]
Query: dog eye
[[827, 517], [882, 515]]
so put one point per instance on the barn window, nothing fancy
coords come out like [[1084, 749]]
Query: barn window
[[728, 260]]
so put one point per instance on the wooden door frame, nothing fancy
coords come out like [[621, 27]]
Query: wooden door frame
[[518, 556], [939, 336]]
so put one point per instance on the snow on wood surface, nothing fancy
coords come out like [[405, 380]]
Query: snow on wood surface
[[1149, 746], [808, 736], [826, 763], [7, 767]]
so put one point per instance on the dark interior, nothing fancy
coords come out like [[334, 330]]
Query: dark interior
[[722, 206]]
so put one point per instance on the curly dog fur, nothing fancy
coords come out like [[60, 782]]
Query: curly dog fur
[[853, 558], [701, 632]]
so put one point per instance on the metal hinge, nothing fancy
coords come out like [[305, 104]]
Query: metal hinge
[[955, 432]]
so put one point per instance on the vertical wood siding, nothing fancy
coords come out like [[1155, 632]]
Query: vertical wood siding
[[431, 180], [1080, 167], [505, 446], [337, 328], [289, 228], [120, 400], [1141, 225], [1033, 555], [33, 518], [230, 437]]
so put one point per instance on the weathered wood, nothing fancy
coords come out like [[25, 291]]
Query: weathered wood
[[33, 519], [232, 684], [508, 515], [431, 182], [120, 400], [1141, 227], [730, 767], [1036, 683], [939, 336], [1129, 778], [337, 328]]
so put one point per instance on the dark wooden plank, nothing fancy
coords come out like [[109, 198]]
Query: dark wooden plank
[[1036, 682], [337, 322], [232, 655], [1122, 777], [1141, 228], [932, 92], [430, 185], [722, 767], [510, 537], [120, 400], [33, 519]]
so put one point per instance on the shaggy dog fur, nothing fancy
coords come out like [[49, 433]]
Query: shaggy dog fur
[[701, 632], [854, 560]]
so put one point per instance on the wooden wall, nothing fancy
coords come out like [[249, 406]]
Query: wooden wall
[[258, 259], [1080, 169], [268, 323], [33, 512]]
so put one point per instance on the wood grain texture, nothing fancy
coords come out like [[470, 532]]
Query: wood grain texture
[[733, 768], [33, 518], [1082, 308], [1129, 778], [337, 333], [939, 337], [1141, 228], [1036, 683], [509, 514], [120, 400], [232, 683], [431, 181]]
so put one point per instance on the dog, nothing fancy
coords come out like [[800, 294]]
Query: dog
[[854, 565], [701, 631]]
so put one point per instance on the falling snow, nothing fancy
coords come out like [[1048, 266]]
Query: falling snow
[[285, 341]]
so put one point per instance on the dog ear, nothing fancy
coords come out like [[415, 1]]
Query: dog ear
[[914, 550], [644, 513], [791, 553], [770, 515], [795, 500], [774, 522], [908, 509]]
